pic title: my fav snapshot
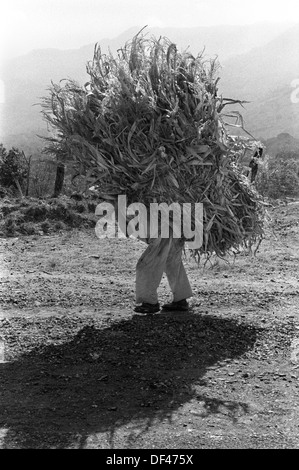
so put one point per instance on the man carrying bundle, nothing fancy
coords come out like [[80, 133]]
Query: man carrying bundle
[[149, 125]]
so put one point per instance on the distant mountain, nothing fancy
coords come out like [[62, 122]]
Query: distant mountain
[[264, 76], [223, 41], [284, 142], [255, 73], [273, 114], [259, 62]]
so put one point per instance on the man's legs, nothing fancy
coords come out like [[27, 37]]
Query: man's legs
[[175, 272], [150, 268]]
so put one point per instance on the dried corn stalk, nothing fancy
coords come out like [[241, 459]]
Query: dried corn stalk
[[150, 124]]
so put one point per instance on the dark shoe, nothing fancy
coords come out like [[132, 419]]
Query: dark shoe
[[147, 308], [180, 306]]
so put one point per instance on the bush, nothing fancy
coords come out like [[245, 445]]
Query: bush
[[28, 228], [9, 209], [59, 210], [279, 178], [42, 178], [37, 217], [36, 212], [10, 227], [5, 192], [80, 207], [45, 226], [59, 225], [92, 206], [13, 168]]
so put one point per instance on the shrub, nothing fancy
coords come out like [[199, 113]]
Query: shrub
[[5, 192], [279, 178], [10, 227], [9, 209], [59, 210], [92, 206], [13, 168], [36, 212], [45, 226], [80, 207], [59, 225], [42, 178], [28, 228]]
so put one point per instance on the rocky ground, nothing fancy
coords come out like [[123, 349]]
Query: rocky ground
[[79, 369]]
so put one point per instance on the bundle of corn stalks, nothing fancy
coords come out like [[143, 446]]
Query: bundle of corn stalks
[[150, 124]]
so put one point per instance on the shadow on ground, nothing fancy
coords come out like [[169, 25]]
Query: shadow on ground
[[141, 369]]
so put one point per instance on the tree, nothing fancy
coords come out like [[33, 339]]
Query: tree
[[69, 100]]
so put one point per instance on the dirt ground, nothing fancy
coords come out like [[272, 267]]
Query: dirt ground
[[79, 369]]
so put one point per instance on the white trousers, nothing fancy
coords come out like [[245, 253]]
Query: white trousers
[[162, 255]]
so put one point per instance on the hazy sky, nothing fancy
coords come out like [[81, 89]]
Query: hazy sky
[[33, 24]]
